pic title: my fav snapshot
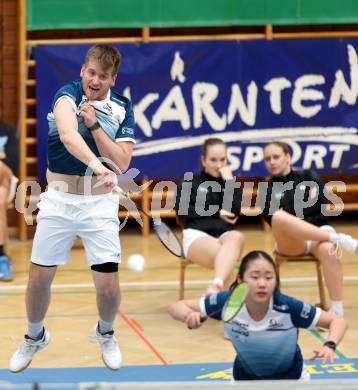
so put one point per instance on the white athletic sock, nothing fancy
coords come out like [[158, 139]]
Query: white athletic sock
[[337, 308], [218, 281], [333, 237], [104, 326], [34, 329]]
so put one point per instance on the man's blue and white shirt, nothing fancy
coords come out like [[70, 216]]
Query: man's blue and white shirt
[[266, 348], [114, 114]]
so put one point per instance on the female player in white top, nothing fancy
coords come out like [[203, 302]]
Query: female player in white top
[[264, 332]]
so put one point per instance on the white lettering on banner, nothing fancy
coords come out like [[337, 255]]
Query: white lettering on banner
[[296, 151], [275, 86], [301, 92], [139, 109], [341, 90], [338, 151], [234, 161], [237, 104], [203, 96], [313, 156], [173, 107], [253, 155]]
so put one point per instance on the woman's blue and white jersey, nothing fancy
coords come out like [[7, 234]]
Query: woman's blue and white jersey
[[114, 114], [266, 348]]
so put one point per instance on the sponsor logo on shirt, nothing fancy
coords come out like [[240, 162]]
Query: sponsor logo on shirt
[[108, 107], [280, 307], [203, 189], [213, 299], [279, 195], [128, 131], [240, 328], [274, 324], [305, 310]]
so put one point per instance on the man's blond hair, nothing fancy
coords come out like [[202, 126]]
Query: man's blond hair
[[107, 56]]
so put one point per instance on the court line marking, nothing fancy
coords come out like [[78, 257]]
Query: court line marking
[[337, 352], [159, 283], [141, 335]]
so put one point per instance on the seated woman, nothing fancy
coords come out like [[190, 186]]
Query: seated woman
[[264, 332], [208, 208], [309, 233]]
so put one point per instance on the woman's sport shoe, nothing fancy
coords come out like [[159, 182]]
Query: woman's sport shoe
[[346, 242], [22, 358], [111, 354]]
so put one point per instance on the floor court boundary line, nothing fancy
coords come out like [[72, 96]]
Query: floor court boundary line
[[322, 339], [138, 330], [160, 283]]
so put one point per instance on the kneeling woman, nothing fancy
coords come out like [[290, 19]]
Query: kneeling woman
[[264, 332]]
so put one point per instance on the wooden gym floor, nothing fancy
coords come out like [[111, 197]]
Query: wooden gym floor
[[146, 333]]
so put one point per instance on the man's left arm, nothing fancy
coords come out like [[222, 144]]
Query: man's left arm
[[120, 153]]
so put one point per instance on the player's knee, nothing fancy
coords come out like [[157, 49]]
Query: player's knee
[[238, 237], [108, 291], [40, 276], [105, 268], [235, 237], [278, 215], [326, 252]]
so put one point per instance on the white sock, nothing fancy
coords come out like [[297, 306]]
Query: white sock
[[333, 237], [34, 329], [218, 281], [337, 308], [104, 326]]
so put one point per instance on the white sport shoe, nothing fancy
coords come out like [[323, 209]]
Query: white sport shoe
[[346, 242], [328, 228], [111, 354], [22, 358]]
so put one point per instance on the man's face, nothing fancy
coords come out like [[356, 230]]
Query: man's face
[[96, 81]]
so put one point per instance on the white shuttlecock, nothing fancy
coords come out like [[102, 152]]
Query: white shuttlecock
[[136, 262]]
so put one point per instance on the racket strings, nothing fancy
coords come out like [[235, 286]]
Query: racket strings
[[168, 238], [235, 302]]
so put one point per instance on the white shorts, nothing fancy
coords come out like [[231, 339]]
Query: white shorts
[[308, 251], [63, 217], [190, 235]]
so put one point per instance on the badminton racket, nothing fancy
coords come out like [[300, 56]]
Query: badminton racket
[[165, 235], [235, 302]]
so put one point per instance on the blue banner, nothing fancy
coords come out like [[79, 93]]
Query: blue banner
[[303, 92]]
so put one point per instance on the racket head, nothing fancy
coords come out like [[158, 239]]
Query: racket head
[[168, 238], [235, 302]]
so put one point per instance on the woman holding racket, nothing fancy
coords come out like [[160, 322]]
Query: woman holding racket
[[208, 217], [309, 234], [264, 326]]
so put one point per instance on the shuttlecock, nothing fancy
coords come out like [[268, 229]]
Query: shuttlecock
[[135, 262]]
